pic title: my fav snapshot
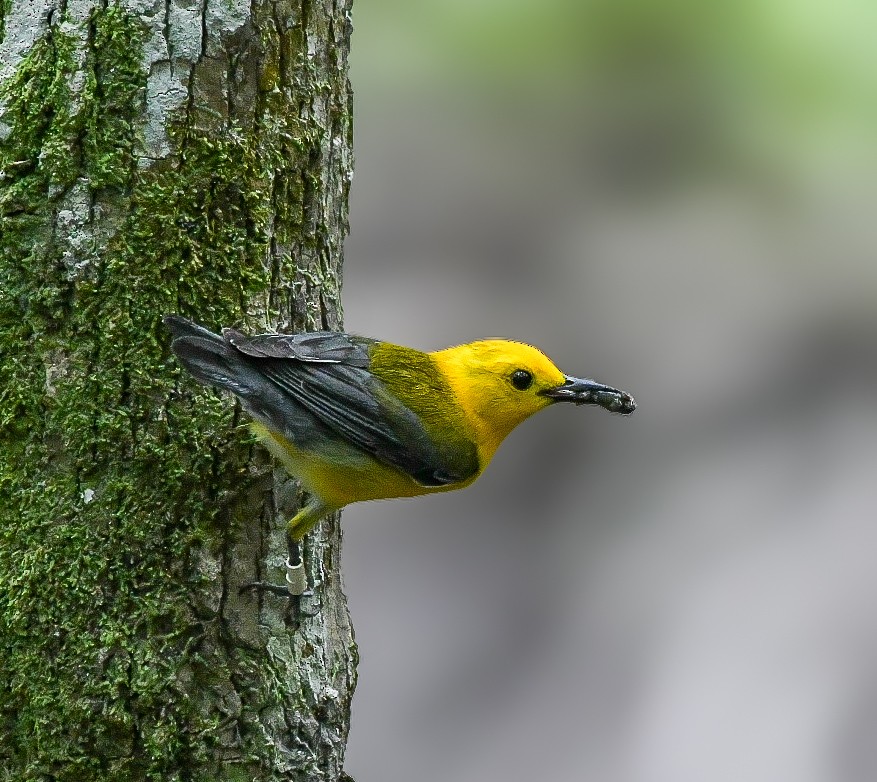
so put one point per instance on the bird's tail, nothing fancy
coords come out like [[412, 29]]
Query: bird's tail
[[208, 356]]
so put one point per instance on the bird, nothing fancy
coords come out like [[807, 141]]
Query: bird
[[355, 418]]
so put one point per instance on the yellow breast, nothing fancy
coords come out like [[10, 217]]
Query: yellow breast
[[342, 474]]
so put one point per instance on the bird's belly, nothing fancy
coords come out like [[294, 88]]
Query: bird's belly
[[340, 474]]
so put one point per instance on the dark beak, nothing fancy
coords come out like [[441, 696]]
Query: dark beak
[[581, 391]]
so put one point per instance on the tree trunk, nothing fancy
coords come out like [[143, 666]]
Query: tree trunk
[[187, 156]]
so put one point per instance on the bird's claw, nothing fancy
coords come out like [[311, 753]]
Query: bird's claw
[[299, 605], [265, 586]]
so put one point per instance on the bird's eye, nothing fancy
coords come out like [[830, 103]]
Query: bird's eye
[[522, 379]]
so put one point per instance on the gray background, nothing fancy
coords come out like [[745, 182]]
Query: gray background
[[681, 204]]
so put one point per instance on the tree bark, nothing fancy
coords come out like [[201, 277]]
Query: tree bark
[[189, 156]]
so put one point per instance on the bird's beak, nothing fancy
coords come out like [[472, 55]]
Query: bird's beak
[[581, 391]]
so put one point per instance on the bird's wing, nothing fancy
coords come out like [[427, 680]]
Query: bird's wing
[[326, 374], [320, 347]]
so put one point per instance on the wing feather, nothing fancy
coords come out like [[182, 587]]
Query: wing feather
[[322, 347], [326, 374]]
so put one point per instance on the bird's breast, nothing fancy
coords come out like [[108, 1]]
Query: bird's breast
[[341, 474]]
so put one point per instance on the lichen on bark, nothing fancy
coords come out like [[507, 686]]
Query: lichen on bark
[[132, 504]]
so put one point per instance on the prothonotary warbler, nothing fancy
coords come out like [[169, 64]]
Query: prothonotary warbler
[[357, 419]]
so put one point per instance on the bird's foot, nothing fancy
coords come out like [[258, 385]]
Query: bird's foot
[[296, 583], [298, 605], [296, 586]]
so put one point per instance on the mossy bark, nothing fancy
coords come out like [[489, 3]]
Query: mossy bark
[[159, 156]]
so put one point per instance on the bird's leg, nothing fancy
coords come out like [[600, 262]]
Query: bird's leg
[[299, 526], [296, 577]]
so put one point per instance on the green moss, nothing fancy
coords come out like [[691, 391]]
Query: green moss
[[36, 155], [5, 6], [106, 488], [114, 96]]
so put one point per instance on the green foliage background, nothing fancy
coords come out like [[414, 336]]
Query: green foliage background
[[773, 79]]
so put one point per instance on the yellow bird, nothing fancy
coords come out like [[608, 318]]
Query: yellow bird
[[358, 419]]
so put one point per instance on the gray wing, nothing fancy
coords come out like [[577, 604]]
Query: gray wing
[[319, 347], [327, 374], [315, 388]]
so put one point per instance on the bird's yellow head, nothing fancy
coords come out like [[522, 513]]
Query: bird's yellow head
[[500, 383]]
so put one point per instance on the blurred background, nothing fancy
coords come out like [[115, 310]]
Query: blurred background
[[678, 199]]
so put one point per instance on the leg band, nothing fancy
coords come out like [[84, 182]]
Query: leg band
[[296, 578]]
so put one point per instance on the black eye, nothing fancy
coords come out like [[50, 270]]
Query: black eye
[[522, 379]]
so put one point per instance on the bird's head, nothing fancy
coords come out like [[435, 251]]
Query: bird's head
[[501, 383]]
